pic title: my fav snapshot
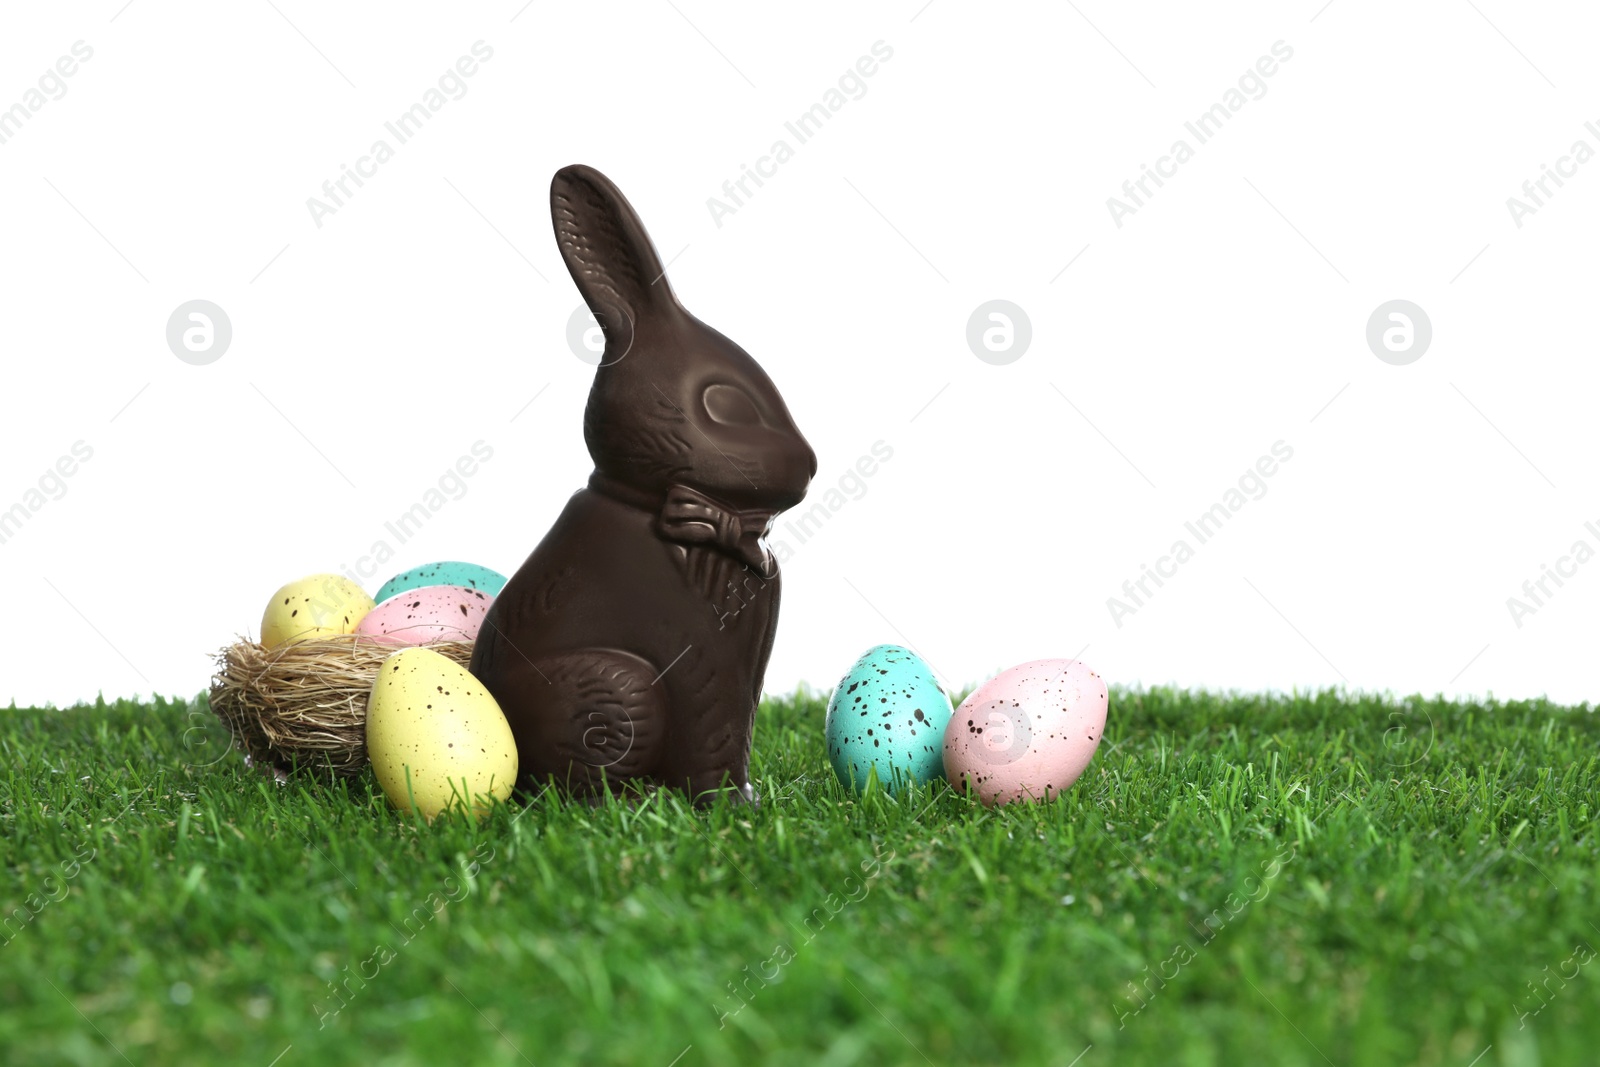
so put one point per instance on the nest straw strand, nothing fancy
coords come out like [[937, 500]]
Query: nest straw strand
[[303, 705]]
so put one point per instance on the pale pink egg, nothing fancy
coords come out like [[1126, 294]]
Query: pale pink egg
[[1027, 733], [423, 616]]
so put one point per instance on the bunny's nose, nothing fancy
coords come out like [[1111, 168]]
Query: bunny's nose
[[813, 456]]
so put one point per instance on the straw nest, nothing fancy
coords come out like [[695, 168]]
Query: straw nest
[[303, 705]]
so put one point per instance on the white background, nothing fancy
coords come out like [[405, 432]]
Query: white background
[[1227, 314]]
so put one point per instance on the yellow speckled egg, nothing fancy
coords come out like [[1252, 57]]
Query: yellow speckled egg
[[316, 606], [435, 736]]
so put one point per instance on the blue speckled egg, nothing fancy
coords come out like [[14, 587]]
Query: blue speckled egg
[[469, 575], [888, 713]]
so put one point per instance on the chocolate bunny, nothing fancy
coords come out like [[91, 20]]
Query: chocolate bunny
[[631, 645]]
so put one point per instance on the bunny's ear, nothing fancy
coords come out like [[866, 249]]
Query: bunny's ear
[[607, 251]]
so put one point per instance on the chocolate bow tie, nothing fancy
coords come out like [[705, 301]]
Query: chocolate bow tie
[[688, 516]]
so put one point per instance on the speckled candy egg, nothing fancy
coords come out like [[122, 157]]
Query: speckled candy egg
[[436, 737], [450, 572], [1027, 733], [888, 713], [320, 605], [423, 616]]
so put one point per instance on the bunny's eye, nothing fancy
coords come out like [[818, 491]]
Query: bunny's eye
[[726, 404]]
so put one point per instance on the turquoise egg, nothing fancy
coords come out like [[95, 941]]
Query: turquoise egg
[[469, 575], [888, 713]]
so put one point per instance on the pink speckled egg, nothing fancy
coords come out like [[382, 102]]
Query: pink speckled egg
[[1027, 733], [423, 616]]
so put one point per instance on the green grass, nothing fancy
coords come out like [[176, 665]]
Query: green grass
[[1434, 864]]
